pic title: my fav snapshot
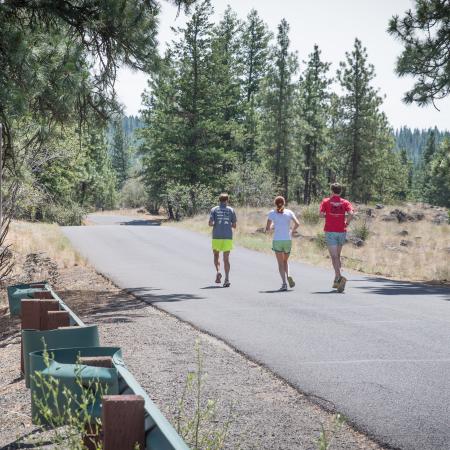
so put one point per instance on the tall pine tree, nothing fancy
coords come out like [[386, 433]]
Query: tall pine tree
[[363, 132], [314, 112], [278, 108], [254, 60]]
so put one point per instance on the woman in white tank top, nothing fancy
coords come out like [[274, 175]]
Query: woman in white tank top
[[280, 219]]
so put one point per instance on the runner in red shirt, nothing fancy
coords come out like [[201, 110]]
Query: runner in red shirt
[[338, 213]]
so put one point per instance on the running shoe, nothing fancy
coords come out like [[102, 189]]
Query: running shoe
[[283, 287], [291, 282], [341, 286], [336, 283], [226, 283], [218, 277]]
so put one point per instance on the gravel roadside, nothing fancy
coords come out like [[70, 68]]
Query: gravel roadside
[[160, 351]]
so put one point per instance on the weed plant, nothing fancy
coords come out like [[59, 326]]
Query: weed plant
[[71, 420], [200, 428]]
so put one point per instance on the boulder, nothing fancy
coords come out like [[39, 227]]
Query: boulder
[[418, 216], [403, 233], [357, 242], [379, 206], [399, 215], [440, 219], [405, 243]]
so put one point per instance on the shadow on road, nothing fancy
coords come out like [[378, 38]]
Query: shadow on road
[[392, 287], [142, 222], [217, 286], [327, 292], [145, 294], [103, 306], [275, 291]]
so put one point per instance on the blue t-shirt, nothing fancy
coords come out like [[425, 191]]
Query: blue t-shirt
[[223, 217]]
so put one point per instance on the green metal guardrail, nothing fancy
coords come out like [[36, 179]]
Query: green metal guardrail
[[65, 345], [35, 340], [159, 433], [20, 291], [62, 366]]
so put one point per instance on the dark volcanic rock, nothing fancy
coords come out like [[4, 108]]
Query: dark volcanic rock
[[379, 206], [405, 243]]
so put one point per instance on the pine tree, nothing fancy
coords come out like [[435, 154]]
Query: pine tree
[[120, 154], [278, 108], [425, 35], [254, 50], [363, 133], [314, 112], [225, 102], [162, 155], [438, 187]]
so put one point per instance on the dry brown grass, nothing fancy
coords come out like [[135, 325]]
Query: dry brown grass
[[426, 258], [26, 238]]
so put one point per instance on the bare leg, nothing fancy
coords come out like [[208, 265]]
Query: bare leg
[[335, 254], [281, 266], [216, 260], [339, 250], [286, 264], [226, 264]]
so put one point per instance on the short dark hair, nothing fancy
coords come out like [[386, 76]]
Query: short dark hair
[[336, 188], [223, 197]]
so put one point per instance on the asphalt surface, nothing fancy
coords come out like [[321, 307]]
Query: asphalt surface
[[379, 353]]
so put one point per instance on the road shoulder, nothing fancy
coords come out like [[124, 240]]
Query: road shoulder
[[160, 350]]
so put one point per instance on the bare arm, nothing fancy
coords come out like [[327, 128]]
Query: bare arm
[[268, 226], [211, 223], [296, 224], [322, 214], [349, 216]]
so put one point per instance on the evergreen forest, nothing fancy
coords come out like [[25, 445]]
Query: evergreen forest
[[229, 107]]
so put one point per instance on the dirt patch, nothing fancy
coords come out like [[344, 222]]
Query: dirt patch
[[160, 351]]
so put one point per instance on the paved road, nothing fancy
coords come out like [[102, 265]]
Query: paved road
[[379, 354]]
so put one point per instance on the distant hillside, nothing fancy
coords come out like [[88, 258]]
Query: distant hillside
[[414, 140]]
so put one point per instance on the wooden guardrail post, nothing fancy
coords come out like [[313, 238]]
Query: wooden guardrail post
[[123, 422], [34, 316], [56, 319]]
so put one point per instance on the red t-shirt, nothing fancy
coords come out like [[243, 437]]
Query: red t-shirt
[[335, 208]]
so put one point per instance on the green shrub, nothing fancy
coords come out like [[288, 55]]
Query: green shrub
[[310, 214], [320, 240], [251, 184], [133, 194], [186, 201], [360, 229], [64, 215]]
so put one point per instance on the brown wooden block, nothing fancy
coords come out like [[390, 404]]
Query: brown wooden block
[[56, 319], [35, 317], [43, 295], [123, 422], [97, 361], [31, 310]]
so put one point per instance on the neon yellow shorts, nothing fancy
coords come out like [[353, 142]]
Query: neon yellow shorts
[[222, 245]]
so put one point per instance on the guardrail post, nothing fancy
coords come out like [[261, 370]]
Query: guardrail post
[[34, 316], [56, 319], [43, 295], [123, 422], [97, 361]]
